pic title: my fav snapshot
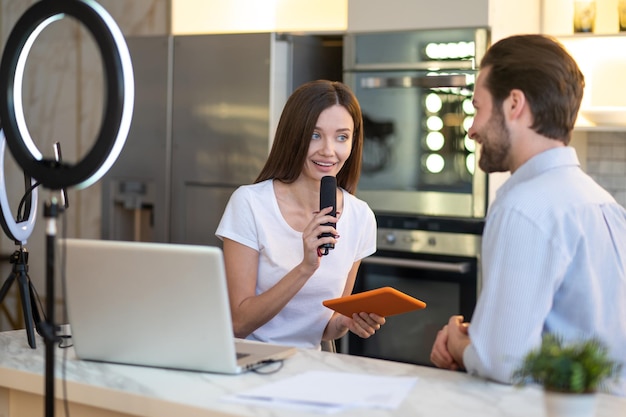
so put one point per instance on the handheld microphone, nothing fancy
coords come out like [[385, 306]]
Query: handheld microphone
[[328, 197]]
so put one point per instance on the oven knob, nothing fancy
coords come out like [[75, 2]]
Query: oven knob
[[390, 238]]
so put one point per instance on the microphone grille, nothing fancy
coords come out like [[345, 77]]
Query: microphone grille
[[328, 193]]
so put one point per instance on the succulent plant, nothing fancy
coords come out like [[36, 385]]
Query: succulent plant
[[575, 367]]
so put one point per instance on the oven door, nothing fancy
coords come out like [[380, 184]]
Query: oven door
[[416, 151], [415, 89], [415, 131], [447, 284]]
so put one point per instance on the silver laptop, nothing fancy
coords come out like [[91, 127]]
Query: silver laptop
[[155, 304]]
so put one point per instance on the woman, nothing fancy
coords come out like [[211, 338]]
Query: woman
[[272, 229]]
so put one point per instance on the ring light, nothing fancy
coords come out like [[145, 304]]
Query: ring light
[[19, 232], [119, 94]]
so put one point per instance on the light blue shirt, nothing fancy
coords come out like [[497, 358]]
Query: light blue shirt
[[553, 260]]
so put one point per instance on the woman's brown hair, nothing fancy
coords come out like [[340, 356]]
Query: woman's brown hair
[[295, 129]]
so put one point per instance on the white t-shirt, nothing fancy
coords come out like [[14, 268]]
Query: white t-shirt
[[253, 218]]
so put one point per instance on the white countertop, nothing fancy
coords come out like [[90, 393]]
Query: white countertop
[[165, 393]]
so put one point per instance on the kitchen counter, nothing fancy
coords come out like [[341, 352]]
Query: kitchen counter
[[100, 389]]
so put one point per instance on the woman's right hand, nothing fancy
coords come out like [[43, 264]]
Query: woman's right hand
[[311, 236]]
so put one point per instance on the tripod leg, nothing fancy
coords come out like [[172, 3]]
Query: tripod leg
[[35, 308], [23, 281], [5, 287]]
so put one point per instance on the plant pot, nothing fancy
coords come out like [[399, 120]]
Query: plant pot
[[559, 404]]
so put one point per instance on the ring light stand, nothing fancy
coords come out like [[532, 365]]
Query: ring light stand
[[19, 231], [53, 174]]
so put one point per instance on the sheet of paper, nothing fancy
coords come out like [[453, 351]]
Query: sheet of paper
[[328, 392]]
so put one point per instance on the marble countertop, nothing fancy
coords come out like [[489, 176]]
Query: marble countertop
[[160, 393]]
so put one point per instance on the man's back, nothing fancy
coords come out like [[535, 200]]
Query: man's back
[[554, 260]]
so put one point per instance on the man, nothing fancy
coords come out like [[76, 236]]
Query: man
[[554, 245]]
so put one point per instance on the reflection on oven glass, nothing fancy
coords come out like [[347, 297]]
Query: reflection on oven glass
[[415, 90], [435, 141], [433, 103], [449, 50], [377, 146], [447, 155]]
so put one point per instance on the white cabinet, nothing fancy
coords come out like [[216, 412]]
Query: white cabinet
[[558, 17], [602, 59], [390, 15], [503, 17]]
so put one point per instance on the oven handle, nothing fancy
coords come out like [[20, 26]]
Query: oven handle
[[462, 65], [431, 81], [459, 267]]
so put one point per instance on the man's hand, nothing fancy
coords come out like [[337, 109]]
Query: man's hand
[[451, 341], [458, 338]]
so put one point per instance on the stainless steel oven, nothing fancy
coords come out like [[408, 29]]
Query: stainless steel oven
[[415, 91], [434, 259]]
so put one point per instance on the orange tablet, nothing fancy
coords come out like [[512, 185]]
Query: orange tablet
[[385, 301]]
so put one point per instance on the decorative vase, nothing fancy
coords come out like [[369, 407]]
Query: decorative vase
[[560, 404], [621, 11], [584, 15]]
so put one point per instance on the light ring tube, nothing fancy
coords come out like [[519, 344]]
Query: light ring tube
[[17, 231], [119, 94]]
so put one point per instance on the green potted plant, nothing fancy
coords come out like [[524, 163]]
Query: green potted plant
[[563, 369]]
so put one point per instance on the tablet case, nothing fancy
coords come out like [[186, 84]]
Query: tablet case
[[385, 301]]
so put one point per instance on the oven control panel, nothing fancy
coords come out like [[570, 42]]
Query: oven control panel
[[423, 241]]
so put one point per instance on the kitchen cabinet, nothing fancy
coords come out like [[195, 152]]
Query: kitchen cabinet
[[190, 17], [602, 59], [206, 107], [503, 17], [601, 56], [372, 15], [558, 17]]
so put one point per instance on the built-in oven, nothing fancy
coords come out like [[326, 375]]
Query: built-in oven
[[415, 91], [434, 259]]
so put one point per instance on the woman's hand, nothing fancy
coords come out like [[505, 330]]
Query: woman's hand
[[311, 239], [364, 324]]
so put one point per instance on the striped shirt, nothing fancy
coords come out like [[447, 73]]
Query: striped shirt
[[553, 260]]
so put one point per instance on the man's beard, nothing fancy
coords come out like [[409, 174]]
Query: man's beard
[[496, 145]]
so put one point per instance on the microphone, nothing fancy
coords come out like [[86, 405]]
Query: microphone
[[328, 197]]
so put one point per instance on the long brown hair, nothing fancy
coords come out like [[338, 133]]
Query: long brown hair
[[295, 129], [548, 76]]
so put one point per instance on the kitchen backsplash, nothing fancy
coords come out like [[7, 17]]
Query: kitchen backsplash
[[606, 161]]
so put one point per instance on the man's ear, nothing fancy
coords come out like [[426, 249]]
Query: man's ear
[[515, 104]]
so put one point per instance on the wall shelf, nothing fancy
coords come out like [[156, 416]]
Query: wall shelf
[[596, 128], [558, 18], [568, 36], [602, 59]]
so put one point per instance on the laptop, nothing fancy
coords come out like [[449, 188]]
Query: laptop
[[155, 304]]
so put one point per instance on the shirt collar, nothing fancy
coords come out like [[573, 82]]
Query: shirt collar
[[540, 163]]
